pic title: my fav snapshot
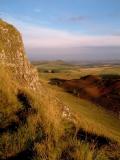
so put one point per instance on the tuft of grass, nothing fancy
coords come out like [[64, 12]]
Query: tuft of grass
[[8, 100]]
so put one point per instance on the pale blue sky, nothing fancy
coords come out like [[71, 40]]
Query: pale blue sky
[[60, 25]]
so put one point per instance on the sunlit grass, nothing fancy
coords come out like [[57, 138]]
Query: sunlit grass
[[46, 134], [92, 118]]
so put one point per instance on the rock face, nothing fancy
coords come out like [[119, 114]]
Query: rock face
[[12, 54]]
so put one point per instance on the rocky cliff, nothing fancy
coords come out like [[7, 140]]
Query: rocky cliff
[[12, 54]]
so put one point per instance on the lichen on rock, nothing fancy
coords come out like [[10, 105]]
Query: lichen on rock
[[12, 55]]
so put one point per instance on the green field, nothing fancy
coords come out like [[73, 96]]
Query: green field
[[68, 71]]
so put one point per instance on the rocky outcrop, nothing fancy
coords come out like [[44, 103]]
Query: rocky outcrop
[[12, 54]]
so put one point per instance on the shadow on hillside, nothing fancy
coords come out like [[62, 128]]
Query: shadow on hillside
[[27, 154], [12, 127], [99, 141], [21, 115]]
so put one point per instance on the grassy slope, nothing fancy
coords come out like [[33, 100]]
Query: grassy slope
[[31, 127], [30, 122], [92, 118]]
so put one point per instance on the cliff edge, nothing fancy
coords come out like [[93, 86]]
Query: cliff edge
[[12, 55]]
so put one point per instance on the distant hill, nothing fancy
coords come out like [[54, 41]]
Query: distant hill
[[102, 90], [57, 62]]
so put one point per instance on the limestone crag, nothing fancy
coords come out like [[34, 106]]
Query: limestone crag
[[12, 54]]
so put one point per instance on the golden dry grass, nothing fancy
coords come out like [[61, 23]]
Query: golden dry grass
[[45, 134]]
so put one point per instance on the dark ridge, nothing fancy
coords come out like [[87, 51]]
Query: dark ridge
[[40, 134], [22, 97], [27, 154], [24, 155], [99, 141], [102, 90], [56, 81], [12, 127], [66, 154], [22, 116], [110, 76]]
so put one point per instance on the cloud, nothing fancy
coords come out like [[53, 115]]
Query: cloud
[[116, 34], [35, 36], [38, 37], [73, 19], [114, 15], [77, 19], [43, 37], [37, 10]]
